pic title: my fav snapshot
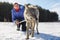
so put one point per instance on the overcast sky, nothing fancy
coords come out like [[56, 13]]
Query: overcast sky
[[52, 5]]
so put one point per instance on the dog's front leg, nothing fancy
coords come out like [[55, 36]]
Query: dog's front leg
[[32, 28], [27, 30]]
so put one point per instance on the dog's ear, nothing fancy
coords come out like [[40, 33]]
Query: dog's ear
[[26, 6]]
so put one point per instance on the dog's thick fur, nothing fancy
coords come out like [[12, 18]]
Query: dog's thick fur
[[31, 15]]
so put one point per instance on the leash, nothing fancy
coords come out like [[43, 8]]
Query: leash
[[22, 21]]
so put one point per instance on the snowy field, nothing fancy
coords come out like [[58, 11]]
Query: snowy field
[[47, 30]]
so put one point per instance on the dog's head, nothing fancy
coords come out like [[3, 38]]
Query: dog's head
[[30, 11]]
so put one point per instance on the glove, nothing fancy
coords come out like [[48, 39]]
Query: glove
[[17, 22]]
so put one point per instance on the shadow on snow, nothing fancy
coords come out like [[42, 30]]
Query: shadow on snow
[[46, 36]]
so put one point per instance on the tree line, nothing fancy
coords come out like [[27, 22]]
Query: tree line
[[47, 16], [44, 15]]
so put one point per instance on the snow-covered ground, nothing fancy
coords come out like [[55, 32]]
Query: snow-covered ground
[[47, 30]]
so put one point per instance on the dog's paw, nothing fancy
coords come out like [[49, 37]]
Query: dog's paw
[[37, 32]]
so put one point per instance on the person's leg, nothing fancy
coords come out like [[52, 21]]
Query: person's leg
[[24, 26], [18, 27]]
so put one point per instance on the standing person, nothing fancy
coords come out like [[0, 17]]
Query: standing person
[[18, 15]]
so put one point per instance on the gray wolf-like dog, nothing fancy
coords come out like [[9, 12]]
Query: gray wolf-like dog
[[31, 15]]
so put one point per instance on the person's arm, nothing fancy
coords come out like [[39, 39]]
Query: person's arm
[[13, 16]]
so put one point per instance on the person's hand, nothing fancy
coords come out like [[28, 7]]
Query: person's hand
[[17, 22]]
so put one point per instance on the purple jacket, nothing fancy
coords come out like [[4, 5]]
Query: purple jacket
[[18, 15]]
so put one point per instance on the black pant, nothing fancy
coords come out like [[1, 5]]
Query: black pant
[[23, 26]]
